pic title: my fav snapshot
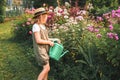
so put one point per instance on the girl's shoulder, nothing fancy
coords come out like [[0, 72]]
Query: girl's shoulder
[[35, 28], [39, 26], [35, 25]]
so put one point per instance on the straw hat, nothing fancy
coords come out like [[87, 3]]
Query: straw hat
[[38, 12]]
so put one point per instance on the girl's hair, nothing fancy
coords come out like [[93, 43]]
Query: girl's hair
[[36, 19]]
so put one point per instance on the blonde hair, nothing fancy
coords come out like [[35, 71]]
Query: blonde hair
[[37, 19]]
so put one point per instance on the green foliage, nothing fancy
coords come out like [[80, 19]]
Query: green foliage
[[14, 62], [93, 58], [60, 20], [107, 3], [22, 28], [38, 3], [81, 51], [2, 10], [1, 18], [99, 11], [103, 6], [110, 47], [89, 58]]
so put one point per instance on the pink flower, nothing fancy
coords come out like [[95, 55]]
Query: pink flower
[[51, 14], [113, 36], [49, 17], [60, 11], [96, 30], [111, 27], [106, 15], [99, 35], [51, 7], [33, 9], [28, 23], [29, 19], [99, 18], [80, 18], [116, 37], [113, 13], [118, 15], [110, 35], [90, 28], [119, 7], [118, 11], [30, 32]]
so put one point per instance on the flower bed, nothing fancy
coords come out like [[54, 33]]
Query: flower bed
[[92, 41]]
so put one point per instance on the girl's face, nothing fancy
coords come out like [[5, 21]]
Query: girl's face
[[43, 18]]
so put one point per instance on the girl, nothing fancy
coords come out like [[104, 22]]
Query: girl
[[41, 42]]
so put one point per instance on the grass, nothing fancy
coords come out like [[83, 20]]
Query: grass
[[14, 65]]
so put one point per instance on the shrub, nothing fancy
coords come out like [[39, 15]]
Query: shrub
[[23, 27], [99, 11], [1, 18], [2, 10], [94, 49]]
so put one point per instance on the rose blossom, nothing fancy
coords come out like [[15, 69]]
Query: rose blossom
[[99, 35], [99, 18], [111, 27], [30, 32], [110, 35], [96, 30], [116, 37], [90, 28], [27, 23]]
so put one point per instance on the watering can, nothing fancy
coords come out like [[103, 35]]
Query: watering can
[[56, 51]]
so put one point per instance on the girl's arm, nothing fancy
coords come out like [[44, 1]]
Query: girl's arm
[[41, 41], [55, 39]]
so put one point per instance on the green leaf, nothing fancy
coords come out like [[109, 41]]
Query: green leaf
[[81, 61]]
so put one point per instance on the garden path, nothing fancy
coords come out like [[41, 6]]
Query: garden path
[[14, 65]]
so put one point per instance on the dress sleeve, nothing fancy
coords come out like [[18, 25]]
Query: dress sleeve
[[35, 28]]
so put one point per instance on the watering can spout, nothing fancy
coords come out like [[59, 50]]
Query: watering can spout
[[64, 53]]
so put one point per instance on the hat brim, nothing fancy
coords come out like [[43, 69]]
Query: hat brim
[[35, 16]]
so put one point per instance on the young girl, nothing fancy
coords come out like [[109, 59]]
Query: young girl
[[41, 42]]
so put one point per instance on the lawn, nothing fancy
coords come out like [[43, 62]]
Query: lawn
[[14, 65]]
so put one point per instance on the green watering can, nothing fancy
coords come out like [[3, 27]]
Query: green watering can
[[56, 51]]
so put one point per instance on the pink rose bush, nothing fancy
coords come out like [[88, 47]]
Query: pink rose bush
[[23, 26]]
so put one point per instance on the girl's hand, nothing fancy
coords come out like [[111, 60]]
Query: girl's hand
[[51, 43], [58, 41], [55, 39]]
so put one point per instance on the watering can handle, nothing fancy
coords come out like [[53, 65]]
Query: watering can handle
[[64, 53]]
